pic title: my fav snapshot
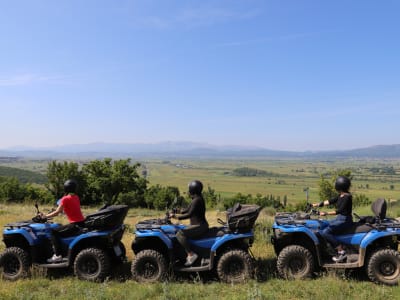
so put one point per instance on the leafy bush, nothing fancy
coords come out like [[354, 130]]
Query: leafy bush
[[251, 172], [263, 201], [162, 198], [12, 190], [360, 200]]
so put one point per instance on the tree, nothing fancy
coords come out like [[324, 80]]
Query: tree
[[38, 194], [210, 197], [160, 198], [58, 172], [12, 190], [327, 186], [107, 180]]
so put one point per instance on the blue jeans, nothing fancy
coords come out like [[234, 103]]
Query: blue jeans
[[336, 225]]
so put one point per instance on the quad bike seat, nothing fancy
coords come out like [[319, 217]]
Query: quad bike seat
[[213, 232], [366, 223], [358, 227]]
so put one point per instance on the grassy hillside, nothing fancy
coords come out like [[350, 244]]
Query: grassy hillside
[[63, 285], [24, 176]]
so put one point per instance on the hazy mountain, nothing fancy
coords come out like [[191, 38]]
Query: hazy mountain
[[191, 149]]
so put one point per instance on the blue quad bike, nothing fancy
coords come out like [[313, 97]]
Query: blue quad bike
[[371, 245], [224, 249], [89, 250]]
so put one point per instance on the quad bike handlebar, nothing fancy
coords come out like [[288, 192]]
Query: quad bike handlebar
[[311, 210], [39, 219]]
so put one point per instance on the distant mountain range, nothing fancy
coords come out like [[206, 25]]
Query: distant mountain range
[[191, 150]]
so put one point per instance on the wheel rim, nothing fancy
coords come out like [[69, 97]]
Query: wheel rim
[[234, 267], [89, 266], [12, 266], [388, 269], [296, 265], [148, 269]]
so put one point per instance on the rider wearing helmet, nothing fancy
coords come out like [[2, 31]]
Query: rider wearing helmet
[[196, 212], [343, 211], [71, 206]]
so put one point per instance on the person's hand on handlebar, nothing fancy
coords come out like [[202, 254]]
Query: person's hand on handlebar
[[172, 215]]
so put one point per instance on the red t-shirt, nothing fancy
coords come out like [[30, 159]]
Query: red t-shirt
[[72, 208]]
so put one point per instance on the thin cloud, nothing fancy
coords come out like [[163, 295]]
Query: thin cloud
[[192, 18], [29, 79]]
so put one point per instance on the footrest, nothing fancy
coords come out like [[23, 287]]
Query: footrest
[[61, 264]]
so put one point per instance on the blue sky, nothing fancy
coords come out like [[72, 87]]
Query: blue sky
[[287, 75]]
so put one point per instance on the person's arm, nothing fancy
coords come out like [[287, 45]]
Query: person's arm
[[321, 204], [181, 212], [324, 203], [187, 213], [55, 213], [184, 210], [331, 213]]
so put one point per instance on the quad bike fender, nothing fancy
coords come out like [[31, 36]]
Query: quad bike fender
[[91, 235], [294, 230], [18, 234], [230, 237], [155, 234], [351, 239], [375, 235], [204, 243]]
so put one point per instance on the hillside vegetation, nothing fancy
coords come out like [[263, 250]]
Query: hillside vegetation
[[24, 176]]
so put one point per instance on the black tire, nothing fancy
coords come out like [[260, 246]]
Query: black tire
[[384, 267], [235, 266], [92, 264], [295, 262], [149, 266], [14, 263]]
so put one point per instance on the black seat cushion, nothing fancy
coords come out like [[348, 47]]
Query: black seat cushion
[[357, 227], [212, 232]]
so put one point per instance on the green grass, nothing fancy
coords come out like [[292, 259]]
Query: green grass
[[63, 285], [327, 287]]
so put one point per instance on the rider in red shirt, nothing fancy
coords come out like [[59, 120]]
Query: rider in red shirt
[[71, 206]]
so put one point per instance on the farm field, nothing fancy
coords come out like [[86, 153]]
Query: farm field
[[286, 177], [374, 178]]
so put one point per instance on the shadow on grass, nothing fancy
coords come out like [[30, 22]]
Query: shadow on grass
[[119, 272], [265, 270]]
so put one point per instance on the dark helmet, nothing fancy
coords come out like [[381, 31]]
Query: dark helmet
[[70, 186], [342, 184], [195, 187]]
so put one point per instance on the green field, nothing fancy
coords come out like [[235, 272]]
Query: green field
[[290, 176]]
